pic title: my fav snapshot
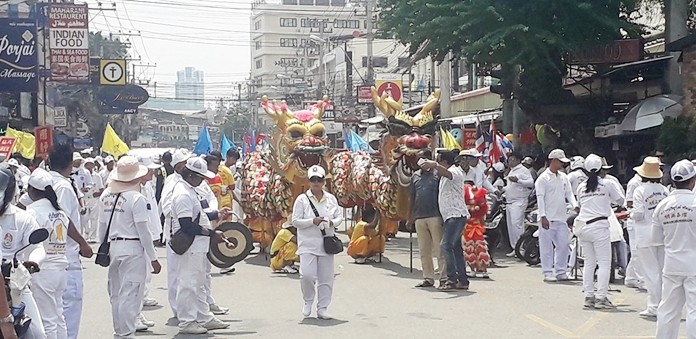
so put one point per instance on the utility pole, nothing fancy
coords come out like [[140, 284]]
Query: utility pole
[[446, 86], [675, 29], [322, 65], [370, 37]]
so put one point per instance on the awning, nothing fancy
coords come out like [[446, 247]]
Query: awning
[[471, 118], [374, 120]]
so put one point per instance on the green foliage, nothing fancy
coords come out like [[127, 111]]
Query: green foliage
[[536, 34], [677, 138]]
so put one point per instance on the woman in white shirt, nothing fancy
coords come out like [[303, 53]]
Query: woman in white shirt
[[595, 197], [48, 284], [316, 266]]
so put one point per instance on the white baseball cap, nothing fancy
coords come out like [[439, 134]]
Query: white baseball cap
[[108, 159], [498, 167], [683, 170], [558, 154], [316, 171], [593, 163], [148, 162], [528, 161], [180, 155], [13, 162], [199, 166], [77, 156], [89, 160], [40, 179]]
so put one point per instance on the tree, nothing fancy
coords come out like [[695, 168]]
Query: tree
[[537, 35]]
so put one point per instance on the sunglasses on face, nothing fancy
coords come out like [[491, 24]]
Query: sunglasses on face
[[315, 179]]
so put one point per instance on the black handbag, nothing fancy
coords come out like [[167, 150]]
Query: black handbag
[[180, 242], [332, 245], [103, 258]]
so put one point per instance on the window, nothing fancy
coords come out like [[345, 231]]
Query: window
[[291, 62], [307, 2], [257, 44], [258, 82], [376, 62], [346, 24], [338, 2], [257, 25], [288, 42], [313, 62], [289, 2], [288, 22], [259, 63], [307, 22], [404, 62], [322, 2]]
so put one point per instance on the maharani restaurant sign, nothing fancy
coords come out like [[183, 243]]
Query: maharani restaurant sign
[[617, 52]]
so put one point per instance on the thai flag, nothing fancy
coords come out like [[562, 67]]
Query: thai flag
[[481, 137], [495, 151], [505, 145]]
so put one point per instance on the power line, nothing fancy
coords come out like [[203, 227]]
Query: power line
[[240, 10]]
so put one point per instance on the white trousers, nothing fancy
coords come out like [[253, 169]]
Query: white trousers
[[191, 302], [172, 272], [596, 247], [48, 287], [557, 235], [317, 277], [652, 261], [676, 290], [633, 270], [36, 328], [126, 285], [89, 221], [514, 214], [72, 302], [208, 283]]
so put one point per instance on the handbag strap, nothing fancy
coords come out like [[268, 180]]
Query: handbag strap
[[108, 227], [314, 209]]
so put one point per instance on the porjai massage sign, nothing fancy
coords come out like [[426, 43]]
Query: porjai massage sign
[[69, 42], [18, 55]]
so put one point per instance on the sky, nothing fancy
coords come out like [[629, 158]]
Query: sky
[[210, 35]]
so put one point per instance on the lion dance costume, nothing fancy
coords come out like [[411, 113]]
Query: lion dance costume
[[473, 241]]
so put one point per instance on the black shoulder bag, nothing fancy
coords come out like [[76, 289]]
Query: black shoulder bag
[[103, 258], [332, 245]]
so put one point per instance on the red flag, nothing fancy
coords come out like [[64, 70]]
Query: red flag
[[495, 153]]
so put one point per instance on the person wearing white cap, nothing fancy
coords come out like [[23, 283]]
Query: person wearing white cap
[[316, 266], [479, 167], [188, 215], [528, 162], [553, 192], [89, 219], [83, 179], [519, 186], [106, 170], [61, 168], [123, 222], [577, 174], [497, 176], [674, 221], [595, 197], [49, 284], [604, 174], [649, 244], [16, 225]]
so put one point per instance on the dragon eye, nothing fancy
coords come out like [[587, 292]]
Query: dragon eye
[[295, 134], [319, 134]]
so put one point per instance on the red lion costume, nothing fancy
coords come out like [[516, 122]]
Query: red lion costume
[[473, 241]]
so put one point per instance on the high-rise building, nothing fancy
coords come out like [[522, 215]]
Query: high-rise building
[[190, 87]]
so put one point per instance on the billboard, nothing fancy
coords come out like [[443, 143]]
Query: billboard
[[18, 55], [68, 42]]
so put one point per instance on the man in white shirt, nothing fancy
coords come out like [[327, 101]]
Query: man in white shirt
[[479, 166], [106, 170], [553, 193], [519, 186], [634, 277], [674, 221], [454, 213], [89, 219], [577, 175]]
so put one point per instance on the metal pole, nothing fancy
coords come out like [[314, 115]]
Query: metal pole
[[370, 38]]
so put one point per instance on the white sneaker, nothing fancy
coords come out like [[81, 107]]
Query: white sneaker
[[193, 328], [289, 269], [150, 302], [647, 314], [218, 310], [139, 326], [562, 277], [633, 284], [549, 278], [360, 260], [511, 254], [307, 310], [144, 321], [215, 324], [323, 314]]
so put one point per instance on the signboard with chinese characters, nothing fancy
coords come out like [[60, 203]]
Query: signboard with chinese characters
[[391, 85], [44, 140], [7, 144], [69, 42], [18, 55], [60, 117], [468, 138], [364, 95]]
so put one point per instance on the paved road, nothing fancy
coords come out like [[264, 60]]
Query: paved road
[[379, 301]]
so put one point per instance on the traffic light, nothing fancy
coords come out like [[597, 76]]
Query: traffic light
[[506, 81]]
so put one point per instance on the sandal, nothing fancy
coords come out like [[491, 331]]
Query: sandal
[[425, 283], [447, 286]]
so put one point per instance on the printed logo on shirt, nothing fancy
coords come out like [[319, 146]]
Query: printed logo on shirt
[[56, 240], [7, 241], [677, 214]]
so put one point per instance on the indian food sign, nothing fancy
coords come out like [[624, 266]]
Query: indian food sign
[[69, 42], [18, 55]]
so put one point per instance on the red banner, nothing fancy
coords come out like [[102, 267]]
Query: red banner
[[469, 138], [44, 140], [7, 144]]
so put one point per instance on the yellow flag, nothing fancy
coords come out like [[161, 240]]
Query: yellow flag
[[112, 144], [26, 143], [448, 140]]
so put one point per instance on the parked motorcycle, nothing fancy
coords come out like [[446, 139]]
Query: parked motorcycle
[[495, 224], [17, 277]]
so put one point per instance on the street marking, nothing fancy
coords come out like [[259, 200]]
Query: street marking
[[592, 322], [551, 326], [582, 330]]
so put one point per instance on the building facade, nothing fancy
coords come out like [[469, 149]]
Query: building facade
[[190, 87]]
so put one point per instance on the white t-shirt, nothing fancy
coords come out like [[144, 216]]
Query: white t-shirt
[[56, 222], [309, 237], [186, 204], [166, 202], [451, 194], [130, 220], [646, 197], [575, 178], [152, 209], [553, 193], [17, 224], [67, 199], [674, 220], [82, 177], [598, 202]]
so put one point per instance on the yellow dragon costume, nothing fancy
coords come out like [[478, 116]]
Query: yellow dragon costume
[[272, 179]]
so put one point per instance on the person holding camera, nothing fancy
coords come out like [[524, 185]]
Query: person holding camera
[[315, 213]]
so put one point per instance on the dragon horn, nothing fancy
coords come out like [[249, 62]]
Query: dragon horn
[[320, 107], [380, 103]]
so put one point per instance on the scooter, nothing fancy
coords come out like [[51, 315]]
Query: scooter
[[17, 277], [495, 223]]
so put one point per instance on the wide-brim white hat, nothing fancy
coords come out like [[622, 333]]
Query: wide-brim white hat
[[126, 174]]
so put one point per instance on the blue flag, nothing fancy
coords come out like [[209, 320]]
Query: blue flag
[[204, 145], [226, 144]]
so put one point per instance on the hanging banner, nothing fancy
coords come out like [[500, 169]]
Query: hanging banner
[[392, 85], [7, 144], [69, 42], [44, 140], [18, 55], [468, 138]]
